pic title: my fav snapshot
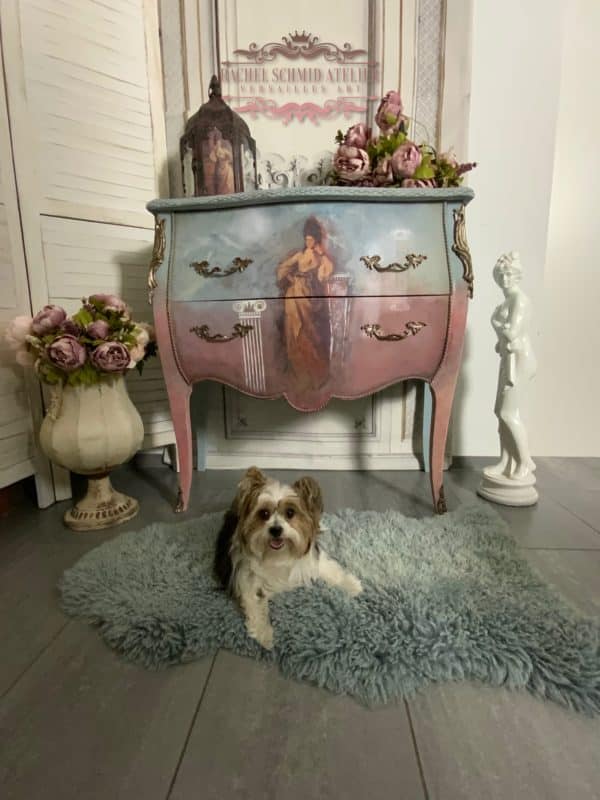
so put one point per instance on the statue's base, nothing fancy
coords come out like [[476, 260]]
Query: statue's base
[[508, 491]]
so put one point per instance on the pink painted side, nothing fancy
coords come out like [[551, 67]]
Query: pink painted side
[[263, 363]]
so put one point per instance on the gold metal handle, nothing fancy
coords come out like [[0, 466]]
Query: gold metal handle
[[204, 268], [410, 329], [239, 331], [411, 260]]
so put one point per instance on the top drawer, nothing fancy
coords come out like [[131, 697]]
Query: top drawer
[[316, 249]]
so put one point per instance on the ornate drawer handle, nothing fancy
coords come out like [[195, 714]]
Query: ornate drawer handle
[[203, 268], [412, 260], [239, 331], [410, 329]]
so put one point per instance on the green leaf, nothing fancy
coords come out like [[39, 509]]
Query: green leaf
[[83, 317], [425, 170], [339, 137], [49, 374]]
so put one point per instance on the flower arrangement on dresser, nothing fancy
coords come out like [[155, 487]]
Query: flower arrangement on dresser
[[91, 425], [392, 158]]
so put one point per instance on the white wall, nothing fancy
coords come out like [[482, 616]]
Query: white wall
[[516, 70], [567, 388]]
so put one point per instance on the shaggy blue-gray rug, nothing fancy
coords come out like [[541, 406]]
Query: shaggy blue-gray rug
[[446, 598]]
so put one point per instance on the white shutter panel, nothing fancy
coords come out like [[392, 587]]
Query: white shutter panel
[[16, 437], [88, 95], [94, 102], [16, 442]]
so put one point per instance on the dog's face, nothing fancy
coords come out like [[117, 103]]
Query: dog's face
[[277, 521]]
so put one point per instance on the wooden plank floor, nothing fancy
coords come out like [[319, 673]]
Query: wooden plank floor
[[76, 722]]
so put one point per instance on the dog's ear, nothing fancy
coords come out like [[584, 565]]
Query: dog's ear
[[252, 480], [248, 487], [309, 492]]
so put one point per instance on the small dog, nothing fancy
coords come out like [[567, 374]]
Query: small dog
[[268, 544]]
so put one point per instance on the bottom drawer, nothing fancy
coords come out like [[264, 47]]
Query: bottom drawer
[[310, 349]]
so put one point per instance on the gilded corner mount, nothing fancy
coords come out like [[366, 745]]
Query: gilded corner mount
[[461, 247], [158, 254]]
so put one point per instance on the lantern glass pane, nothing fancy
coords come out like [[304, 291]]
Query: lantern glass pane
[[187, 171], [217, 163], [248, 169]]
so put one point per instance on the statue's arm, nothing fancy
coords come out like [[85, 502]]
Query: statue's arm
[[515, 328]]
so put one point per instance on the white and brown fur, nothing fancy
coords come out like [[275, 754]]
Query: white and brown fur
[[269, 544]]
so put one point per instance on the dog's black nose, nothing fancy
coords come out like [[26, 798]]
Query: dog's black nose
[[275, 531]]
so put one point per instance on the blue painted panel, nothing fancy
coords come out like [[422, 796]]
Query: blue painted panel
[[270, 234]]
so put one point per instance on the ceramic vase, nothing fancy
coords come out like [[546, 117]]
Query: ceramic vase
[[90, 430]]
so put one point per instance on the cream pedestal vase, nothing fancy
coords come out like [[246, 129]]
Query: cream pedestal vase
[[90, 430]]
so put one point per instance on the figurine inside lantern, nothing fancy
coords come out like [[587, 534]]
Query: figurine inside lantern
[[218, 155]]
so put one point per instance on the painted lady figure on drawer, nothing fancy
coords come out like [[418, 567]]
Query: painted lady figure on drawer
[[302, 279]]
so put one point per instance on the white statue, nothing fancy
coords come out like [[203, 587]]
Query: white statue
[[511, 480]]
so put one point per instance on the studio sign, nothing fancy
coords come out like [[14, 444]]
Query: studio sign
[[338, 83]]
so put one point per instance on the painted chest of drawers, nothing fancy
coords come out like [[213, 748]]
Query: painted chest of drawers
[[310, 294]]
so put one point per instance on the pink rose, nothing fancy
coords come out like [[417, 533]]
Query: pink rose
[[16, 332], [405, 160], [70, 327], [144, 334], [110, 357], [66, 353], [389, 116], [351, 163], [383, 174], [24, 358], [358, 136], [48, 320], [98, 329], [136, 354], [109, 302], [421, 183], [448, 158]]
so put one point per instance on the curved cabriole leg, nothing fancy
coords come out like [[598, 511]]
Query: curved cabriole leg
[[179, 400], [442, 386], [442, 394], [179, 392]]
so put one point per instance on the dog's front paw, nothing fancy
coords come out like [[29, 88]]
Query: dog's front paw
[[263, 635], [352, 585]]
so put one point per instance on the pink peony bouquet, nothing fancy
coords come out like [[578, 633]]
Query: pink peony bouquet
[[99, 341], [392, 159]]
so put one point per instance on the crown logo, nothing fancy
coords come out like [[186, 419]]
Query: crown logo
[[300, 38]]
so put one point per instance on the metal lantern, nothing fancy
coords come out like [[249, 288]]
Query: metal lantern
[[217, 149]]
